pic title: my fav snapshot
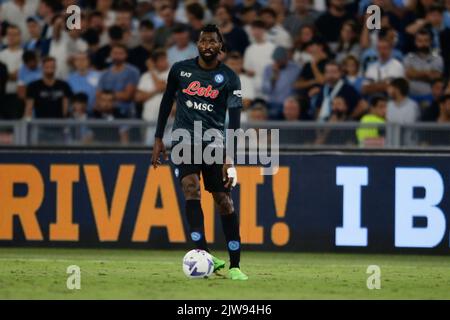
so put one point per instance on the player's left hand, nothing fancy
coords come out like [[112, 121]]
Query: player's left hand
[[229, 175]]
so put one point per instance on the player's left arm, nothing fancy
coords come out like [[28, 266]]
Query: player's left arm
[[234, 103]]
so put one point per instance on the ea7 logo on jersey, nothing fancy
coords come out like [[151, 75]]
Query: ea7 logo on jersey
[[186, 74], [238, 93], [199, 106]]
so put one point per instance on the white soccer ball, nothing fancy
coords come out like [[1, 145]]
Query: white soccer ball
[[198, 264]]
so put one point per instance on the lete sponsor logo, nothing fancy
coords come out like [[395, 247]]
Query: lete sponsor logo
[[195, 89]]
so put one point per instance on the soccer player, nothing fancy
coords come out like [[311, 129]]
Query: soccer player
[[204, 89]]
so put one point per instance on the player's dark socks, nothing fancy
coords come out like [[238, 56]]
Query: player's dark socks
[[230, 225], [195, 219]]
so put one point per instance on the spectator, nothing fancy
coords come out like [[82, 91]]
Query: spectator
[[253, 4], [48, 97], [400, 108], [350, 66], [291, 109], [3, 81], [339, 113], [277, 81], [312, 72], [195, 15], [29, 71], [422, 67], [303, 15], [151, 89], [121, 78], [433, 21], [106, 109], [12, 58], [108, 14], [445, 51], [379, 73], [334, 86], [371, 54], [348, 43], [124, 19], [247, 15], [63, 45], [98, 24], [102, 58], [16, 12], [431, 111], [93, 43], [140, 54], [36, 42], [258, 111], [80, 133], [370, 135], [84, 79], [183, 48], [47, 11], [258, 55], [447, 14], [444, 110], [163, 37], [105, 105], [306, 34], [275, 32], [281, 10], [330, 23], [235, 62], [236, 38]]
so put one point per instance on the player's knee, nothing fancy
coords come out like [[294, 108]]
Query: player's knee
[[224, 204], [191, 189]]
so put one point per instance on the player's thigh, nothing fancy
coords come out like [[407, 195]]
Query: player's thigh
[[224, 202], [213, 178]]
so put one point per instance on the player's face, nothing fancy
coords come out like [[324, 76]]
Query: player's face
[[209, 46]]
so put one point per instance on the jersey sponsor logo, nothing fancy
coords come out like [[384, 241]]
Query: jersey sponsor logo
[[219, 78], [186, 74], [199, 106], [238, 93], [195, 89]]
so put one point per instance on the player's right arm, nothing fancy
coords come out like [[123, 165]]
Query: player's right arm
[[164, 112]]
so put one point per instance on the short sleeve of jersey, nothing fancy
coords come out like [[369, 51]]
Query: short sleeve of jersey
[[234, 99]]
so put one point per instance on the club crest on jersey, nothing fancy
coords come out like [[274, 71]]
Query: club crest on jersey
[[219, 78], [195, 89]]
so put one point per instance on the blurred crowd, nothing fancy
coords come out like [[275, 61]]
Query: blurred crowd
[[298, 60]]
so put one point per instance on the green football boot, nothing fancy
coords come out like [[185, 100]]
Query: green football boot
[[218, 264], [237, 274]]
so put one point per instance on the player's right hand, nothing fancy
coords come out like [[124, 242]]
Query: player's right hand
[[158, 148]]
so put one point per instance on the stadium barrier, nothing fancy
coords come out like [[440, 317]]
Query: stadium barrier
[[293, 135], [318, 201]]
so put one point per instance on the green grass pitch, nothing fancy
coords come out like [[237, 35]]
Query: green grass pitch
[[147, 274]]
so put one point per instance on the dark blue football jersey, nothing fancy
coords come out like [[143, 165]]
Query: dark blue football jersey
[[203, 95]]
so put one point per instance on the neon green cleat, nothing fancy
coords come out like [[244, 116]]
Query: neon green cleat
[[237, 274], [218, 264]]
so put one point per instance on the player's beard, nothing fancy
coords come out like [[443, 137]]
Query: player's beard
[[209, 58]]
